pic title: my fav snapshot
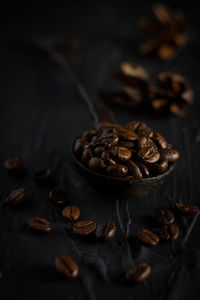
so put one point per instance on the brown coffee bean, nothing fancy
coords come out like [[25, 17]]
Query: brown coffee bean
[[120, 153], [58, 196], [148, 132], [43, 175], [136, 126], [71, 213], [17, 196], [88, 134], [144, 170], [67, 266], [117, 170], [159, 140], [145, 142], [14, 164], [170, 155], [106, 230], [125, 134], [134, 170], [148, 237], [160, 166], [186, 208], [169, 232], [96, 164], [149, 155], [84, 227], [79, 145], [139, 273], [165, 216], [126, 144], [86, 156], [40, 224], [111, 139], [98, 151], [105, 156]]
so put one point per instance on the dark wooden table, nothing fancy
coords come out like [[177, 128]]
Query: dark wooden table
[[41, 112]]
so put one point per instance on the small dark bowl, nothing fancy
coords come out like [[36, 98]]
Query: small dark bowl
[[117, 186]]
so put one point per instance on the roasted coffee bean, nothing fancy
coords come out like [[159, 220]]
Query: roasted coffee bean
[[148, 132], [84, 227], [111, 162], [86, 156], [127, 144], [14, 164], [126, 134], [71, 213], [79, 145], [120, 153], [67, 266], [17, 196], [105, 156], [169, 232], [43, 175], [136, 126], [40, 224], [134, 170], [117, 170], [98, 151], [146, 142], [88, 134], [111, 139], [139, 273], [188, 209], [106, 230], [148, 237], [170, 155], [144, 170], [160, 166], [58, 196], [165, 216], [149, 155], [159, 140], [96, 164], [130, 178]]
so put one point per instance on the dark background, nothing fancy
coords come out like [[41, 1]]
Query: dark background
[[41, 113]]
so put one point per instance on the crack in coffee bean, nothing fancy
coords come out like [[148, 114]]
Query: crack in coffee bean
[[71, 213], [40, 224], [169, 232], [148, 237], [84, 227]]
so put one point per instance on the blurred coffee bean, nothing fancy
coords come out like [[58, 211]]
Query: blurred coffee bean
[[17, 196], [148, 132], [88, 134], [40, 224], [98, 151], [148, 237], [117, 170], [84, 227], [79, 145], [58, 196], [71, 213], [144, 170], [165, 216], [106, 230], [86, 156], [169, 232], [14, 165], [96, 164], [170, 155], [139, 273], [134, 170], [188, 209], [43, 175], [67, 266], [105, 156], [127, 144], [120, 153]]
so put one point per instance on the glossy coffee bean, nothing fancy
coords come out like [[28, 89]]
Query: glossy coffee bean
[[169, 232], [96, 164], [111, 139], [117, 170], [143, 169], [134, 170], [188, 209], [145, 142], [84, 227], [164, 216], [148, 237], [71, 213], [126, 144], [67, 266], [106, 230], [160, 140], [120, 153], [139, 273], [125, 134], [79, 145], [86, 156], [14, 164], [58, 196], [43, 175], [40, 224], [170, 155], [17, 196], [160, 166], [148, 132], [149, 155]]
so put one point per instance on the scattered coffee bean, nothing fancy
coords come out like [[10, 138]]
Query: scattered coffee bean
[[106, 230], [84, 227], [165, 216], [58, 196], [16, 197], [148, 237], [186, 208], [40, 224], [43, 175], [169, 232], [71, 213], [14, 165], [67, 266], [139, 273]]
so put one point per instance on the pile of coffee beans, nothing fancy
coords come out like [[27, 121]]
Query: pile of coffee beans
[[134, 151]]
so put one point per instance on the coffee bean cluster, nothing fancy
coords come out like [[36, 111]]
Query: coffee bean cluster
[[130, 152]]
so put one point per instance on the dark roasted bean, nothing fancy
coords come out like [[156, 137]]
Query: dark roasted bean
[[84, 227], [86, 156], [96, 164], [148, 237], [126, 134], [71, 213], [14, 164], [40, 224], [169, 232], [17, 196], [111, 139], [165, 216], [139, 273], [120, 153], [98, 151], [134, 170], [43, 175], [160, 166], [67, 266], [106, 230], [117, 170], [88, 134], [170, 155], [127, 144], [105, 156], [186, 208], [58, 196], [79, 145], [159, 140], [149, 155], [144, 170]]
